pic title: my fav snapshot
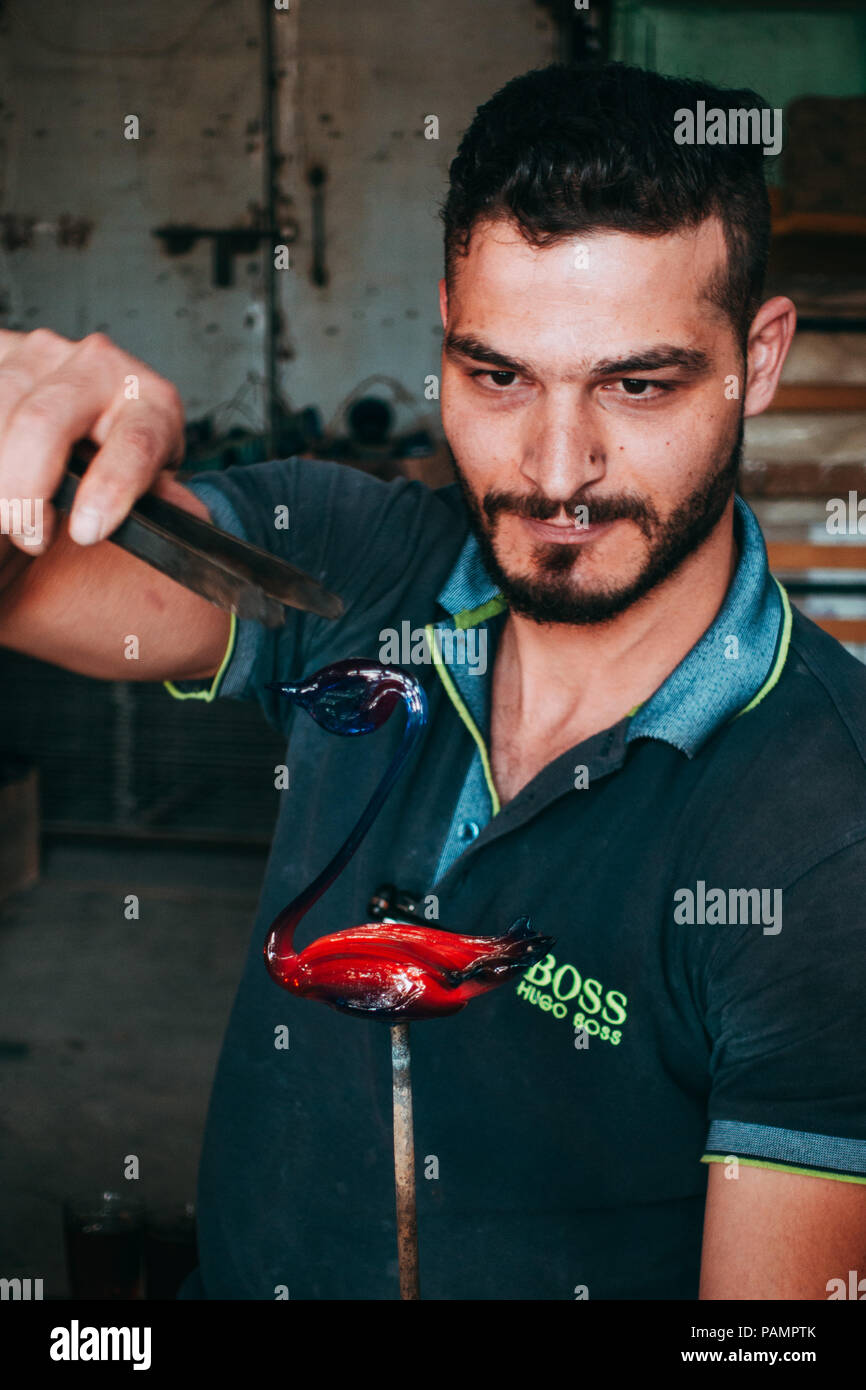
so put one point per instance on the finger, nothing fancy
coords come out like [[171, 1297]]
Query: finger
[[46, 420], [143, 437], [24, 357], [84, 395], [9, 338], [28, 357]]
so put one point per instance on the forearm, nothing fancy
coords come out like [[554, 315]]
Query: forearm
[[780, 1235], [101, 612]]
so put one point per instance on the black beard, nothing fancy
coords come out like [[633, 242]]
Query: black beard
[[551, 598]]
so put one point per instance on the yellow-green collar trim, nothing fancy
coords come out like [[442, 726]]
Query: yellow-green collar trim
[[467, 616], [778, 664], [215, 684], [457, 702], [781, 656]]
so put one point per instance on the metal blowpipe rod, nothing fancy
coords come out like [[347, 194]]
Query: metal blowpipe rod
[[404, 1164]]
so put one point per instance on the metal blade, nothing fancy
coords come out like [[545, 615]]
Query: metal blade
[[200, 573], [239, 576]]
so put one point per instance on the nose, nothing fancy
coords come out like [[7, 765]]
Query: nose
[[564, 448]]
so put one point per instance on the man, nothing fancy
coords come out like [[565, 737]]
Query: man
[[657, 761]]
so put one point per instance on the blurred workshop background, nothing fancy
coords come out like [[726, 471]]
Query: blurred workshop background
[[327, 131]]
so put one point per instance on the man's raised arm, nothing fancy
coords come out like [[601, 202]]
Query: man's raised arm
[[66, 595]]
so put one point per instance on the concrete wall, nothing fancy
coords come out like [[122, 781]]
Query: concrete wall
[[368, 76], [190, 72], [355, 81]]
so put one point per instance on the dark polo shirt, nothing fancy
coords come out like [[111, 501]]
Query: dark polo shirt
[[701, 864]]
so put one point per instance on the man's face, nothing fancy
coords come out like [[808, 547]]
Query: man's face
[[584, 401]]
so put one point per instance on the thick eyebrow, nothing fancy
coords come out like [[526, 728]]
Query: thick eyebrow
[[693, 360], [653, 359], [467, 345]]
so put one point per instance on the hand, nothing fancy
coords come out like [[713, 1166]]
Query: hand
[[54, 392]]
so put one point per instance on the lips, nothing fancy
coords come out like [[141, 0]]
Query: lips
[[567, 533]]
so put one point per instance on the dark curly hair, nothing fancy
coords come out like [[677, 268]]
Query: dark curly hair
[[563, 150]]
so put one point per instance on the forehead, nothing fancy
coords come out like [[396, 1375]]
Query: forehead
[[594, 292]]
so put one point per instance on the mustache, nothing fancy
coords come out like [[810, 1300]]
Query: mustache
[[621, 507]]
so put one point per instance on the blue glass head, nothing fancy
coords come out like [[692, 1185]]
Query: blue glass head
[[355, 696]]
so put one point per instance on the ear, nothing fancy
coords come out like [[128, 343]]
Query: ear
[[443, 302], [770, 338]]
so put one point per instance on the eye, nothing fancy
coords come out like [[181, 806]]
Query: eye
[[640, 386], [498, 379]]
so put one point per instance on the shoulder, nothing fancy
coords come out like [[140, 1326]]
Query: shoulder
[[360, 535], [324, 490], [815, 714], [787, 778], [828, 684]]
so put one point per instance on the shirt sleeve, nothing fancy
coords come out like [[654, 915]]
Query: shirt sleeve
[[785, 1010], [356, 534], [233, 677]]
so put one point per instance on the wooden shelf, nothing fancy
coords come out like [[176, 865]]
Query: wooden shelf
[[844, 629], [809, 397], [818, 224], [805, 555]]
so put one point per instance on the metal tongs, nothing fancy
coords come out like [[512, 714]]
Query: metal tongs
[[229, 572]]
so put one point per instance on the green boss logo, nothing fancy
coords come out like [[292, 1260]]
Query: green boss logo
[[598, 1012]]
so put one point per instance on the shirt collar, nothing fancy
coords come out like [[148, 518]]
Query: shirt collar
[[734, 663], [468, 586]]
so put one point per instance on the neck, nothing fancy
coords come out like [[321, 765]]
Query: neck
[[592, 675]]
